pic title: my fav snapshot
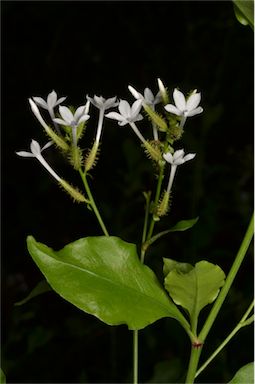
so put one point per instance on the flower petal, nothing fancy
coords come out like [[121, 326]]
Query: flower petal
[[110, 103], [168, 157], [194, 112], [179, 100], [189, 156], [136, 107], [25, 154], [47, 145], [115, 116], [51, 99], [193, 101], [66, 114], [60, 100], [83, 118], [124, 108], [99, 100], [178, 154], [35, 148], [79, 112], [172, 109], [138, 117], [136, 94], [61, 122], [40, 102], [148, 95]]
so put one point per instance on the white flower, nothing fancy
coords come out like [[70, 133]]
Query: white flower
[[37, 114], [36, 151], [127, 114], [102, 103], [148, 97], [73, 120], [183, 107], [176, 159], [52, 101]]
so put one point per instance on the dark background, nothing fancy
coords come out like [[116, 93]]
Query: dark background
[[80, 48]]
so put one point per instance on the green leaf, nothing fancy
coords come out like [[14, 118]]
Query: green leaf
[[170, 265], [244, 11], [103, 276], [244, 375], [182, 225], [193, 288], [2, 377], [40, 288]]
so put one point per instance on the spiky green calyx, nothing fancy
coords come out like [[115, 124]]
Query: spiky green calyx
[[57, 139], [153, 150], [156, 118], [92, 157], [75, 157], [175, 132], [73, 192], [164, 204]]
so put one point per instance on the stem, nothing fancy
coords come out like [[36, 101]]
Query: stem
[[92, 202], [193, 363], [242, 323], [157, 196], [230, 278], [145, 226], [135, 357]]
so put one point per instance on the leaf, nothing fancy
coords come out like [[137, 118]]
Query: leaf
[[194, 288], [244, 375], [244, 11], [2, 377], [170, 265], [40, 288], [182, 225], [103, 276]]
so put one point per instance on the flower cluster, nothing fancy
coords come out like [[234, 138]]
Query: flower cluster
[[68, 125]]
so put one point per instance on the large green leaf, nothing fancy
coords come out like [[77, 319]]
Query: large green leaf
[[193, 287], [40, 288], [103, 276], [244, 11], [245, 375]]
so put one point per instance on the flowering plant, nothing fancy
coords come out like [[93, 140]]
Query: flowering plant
[[106, 276]]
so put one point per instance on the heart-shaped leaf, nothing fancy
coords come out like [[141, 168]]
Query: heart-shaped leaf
[[193, 287], [103, 276], [244, 375]]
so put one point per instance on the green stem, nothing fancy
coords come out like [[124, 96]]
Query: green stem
[[92, 202], [157, 196], [193, 363], [242, 323], [230, 278], [195, 351], [135, 357]]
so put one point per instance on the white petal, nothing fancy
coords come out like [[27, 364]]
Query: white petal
[[194, 112], [25, 154], [87, 105], [40, 102], [47, 145], [172, 109], [148, 95], [124, 108], [190, 156], [136, 107], [136, 94], [178, 154], [168, 157], [99, 100], [61, 122], [179, 100], [138, 117], [162, 88], [115, 116], [158, 98], [66, 114], [179, 161], [122, 123], [60, 100], [193, 101], [51, 99], [110, 103], [35, 148], [79, 112], [83, 118]]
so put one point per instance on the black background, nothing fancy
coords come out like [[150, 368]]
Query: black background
[[80, 48]]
